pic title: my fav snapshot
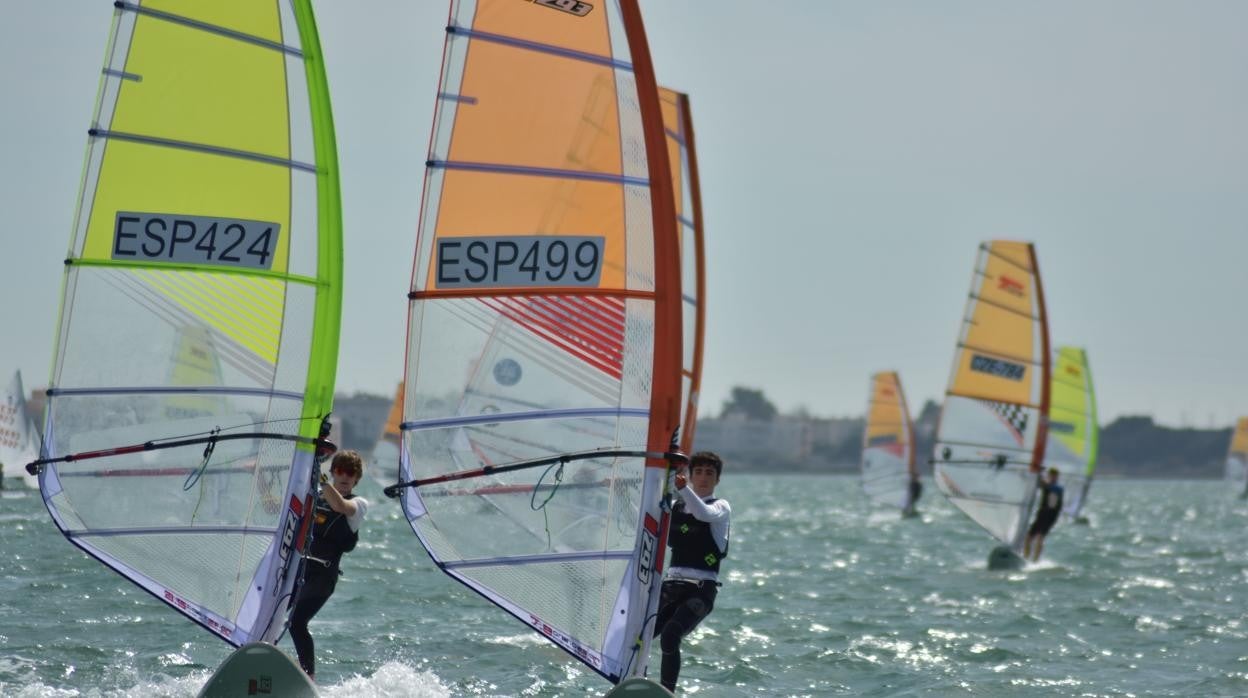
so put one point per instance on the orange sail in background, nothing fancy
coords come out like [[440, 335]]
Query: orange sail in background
[[385, 467], [682, 156]]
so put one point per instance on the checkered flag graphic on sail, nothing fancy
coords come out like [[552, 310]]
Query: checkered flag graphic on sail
[[1013, 414]]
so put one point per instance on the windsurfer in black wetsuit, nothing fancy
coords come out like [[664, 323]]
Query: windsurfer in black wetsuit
[[335, 531], [914, 491], [698, 536], [1050, 508]]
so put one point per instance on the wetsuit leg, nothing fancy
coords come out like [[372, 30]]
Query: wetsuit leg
[[318, 586], [299, 617], [689, 605], [1042, 525]]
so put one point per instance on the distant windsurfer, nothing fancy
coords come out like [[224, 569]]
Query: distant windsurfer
[[339, 514], [1046, 515], [699, 540], [914, 491]]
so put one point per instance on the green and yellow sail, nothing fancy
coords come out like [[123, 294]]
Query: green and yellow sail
[[201, 306], [1073, 430]]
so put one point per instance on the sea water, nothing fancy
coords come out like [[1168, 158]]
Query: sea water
[[823, 595]]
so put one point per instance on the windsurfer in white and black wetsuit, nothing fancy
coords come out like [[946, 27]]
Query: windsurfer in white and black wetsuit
[[335, 531], [698, 536]]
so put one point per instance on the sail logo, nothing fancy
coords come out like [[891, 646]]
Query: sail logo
[[1074, 371], [572, 7], [1012, 286], [197, 613], [649, 546], [566, 640], [1061, 427], [507, 372], [519, 260], [179, 239], [288, 534], [997, 367]]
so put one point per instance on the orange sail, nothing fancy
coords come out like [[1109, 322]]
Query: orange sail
[[543, 379], [682, 156]]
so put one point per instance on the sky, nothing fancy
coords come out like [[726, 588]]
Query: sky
[[852, 157]]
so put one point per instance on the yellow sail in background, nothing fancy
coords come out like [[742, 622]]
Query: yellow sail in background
[[1073, 431], [888, 443], [1237, 457], [991, 437]]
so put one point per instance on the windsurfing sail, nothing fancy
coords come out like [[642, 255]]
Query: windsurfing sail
[[683, 159], [386, 451], [543, 371], [1237, 458], [990, 439], [1073, 431], [19, 439], [888, 443], [198, 334]]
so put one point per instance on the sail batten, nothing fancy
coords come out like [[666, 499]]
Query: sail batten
[[201, 148], [560, 51], [209, 27], [1005, 307], [498, 168]]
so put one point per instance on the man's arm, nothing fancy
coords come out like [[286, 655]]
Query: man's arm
[[700, 510], [346, 507]]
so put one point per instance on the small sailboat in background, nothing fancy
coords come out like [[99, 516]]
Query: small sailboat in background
[[888, 468], [991, 437], [1237, 459], [1073, 430], [197, 345], [543, 383], [19, 437], [385, 457]]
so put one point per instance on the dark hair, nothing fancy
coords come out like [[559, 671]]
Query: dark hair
[[349, 461], [707, 458]]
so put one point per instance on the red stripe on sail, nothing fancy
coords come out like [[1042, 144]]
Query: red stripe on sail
[[589, 328]]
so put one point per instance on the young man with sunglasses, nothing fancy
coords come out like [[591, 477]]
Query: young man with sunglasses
[[339, 513]]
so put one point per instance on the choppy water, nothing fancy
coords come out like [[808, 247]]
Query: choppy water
[[824, 596]]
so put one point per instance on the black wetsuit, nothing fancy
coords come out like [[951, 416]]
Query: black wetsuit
[[331, 537], [1050, 509], [915, 491], [684, 603]]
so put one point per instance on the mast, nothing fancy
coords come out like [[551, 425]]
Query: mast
[[665, 396]]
